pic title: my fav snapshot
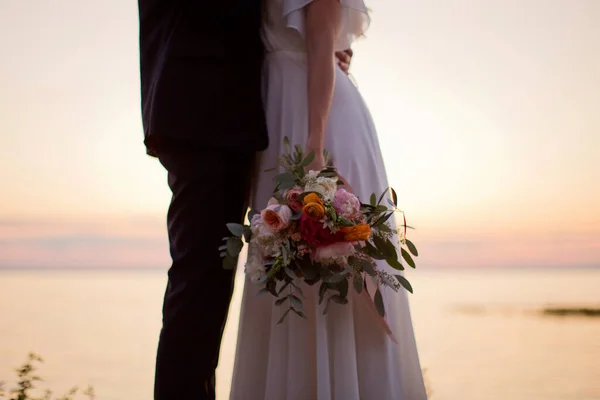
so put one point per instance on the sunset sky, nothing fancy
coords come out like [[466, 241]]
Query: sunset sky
[[488, 115]]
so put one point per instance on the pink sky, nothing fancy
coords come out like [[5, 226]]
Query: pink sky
[[487, 114]]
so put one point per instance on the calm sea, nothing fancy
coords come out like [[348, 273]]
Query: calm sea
[[480, 333]]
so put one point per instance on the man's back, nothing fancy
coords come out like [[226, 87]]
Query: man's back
[[200, 72]]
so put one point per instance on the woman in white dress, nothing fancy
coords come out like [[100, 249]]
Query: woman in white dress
[[345, 354]]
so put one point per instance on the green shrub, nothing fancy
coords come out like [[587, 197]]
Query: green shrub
[[25, 387]]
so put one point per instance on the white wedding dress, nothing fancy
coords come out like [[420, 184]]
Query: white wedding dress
[[345, 354]]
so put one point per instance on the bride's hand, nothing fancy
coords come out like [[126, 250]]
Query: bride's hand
[[318, 162]]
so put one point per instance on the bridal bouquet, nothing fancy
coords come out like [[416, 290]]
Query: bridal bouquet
[[315, 231]]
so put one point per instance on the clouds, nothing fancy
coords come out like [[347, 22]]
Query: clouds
[[83, 244]]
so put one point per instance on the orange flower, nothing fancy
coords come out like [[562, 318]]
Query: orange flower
[[314, 210], [356, 233], [312, 198]]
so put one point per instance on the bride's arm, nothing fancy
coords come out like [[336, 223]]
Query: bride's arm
[[322, 24]]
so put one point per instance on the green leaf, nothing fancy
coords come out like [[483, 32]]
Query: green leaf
[[342, 287], [383, 219], [308, 159], [373, 252], [299, 313], [247, 231], [358, 283], [322, 290], [404, 282], [367, 266], [308, 269], [379, 303], [296, 302], [335, 278], [285, 180], [394, 263], [299, 290], [235, 229], [286, 145], [280, 301], [229, 262], [408, 258], [339, 299], [382, 195], [272, 287], [394, 197], [283, 316], [373, 199], [412, 248], [385, 247], [234, 246]]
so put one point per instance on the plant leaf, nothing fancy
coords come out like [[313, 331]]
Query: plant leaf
[[394, 197], [235, 229], [373, 199], [385, 247], [408, 258], [412, 248], [295, 300], [358, 283], [299, 313], [229, 262], [283, 316], [280, 301], [404, 282], [286, 145], [379, 303], [308, 159], [394, 263], [234, 246], [339, 299]]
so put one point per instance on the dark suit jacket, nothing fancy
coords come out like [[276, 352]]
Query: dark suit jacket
[[200, 63]]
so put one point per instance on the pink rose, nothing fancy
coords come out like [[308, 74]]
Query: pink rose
[[291, 196], [346, 204], [276, 217], [333, 252]]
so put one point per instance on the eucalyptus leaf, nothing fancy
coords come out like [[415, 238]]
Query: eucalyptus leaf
[[235, 229], [295, 300], [247, 231], [367, 266], [358, 283], [234, 246], [299, 313], [404, 282], [408, 258], [272, 287], [412, 248], [379, 303], [286, 145], [342, 287], [336, 298], [283, 316], [299, 290], [283, 287], [280, 301], [335, 278], [394, 197], [322, 290], [229, 262], [373, 199]]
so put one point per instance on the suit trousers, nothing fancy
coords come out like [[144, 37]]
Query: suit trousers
[[210, 187]]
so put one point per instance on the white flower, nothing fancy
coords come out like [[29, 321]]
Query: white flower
[[255, 265], [259, 228], [326, 187]]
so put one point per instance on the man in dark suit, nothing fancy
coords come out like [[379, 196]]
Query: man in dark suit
[[203, 118]]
